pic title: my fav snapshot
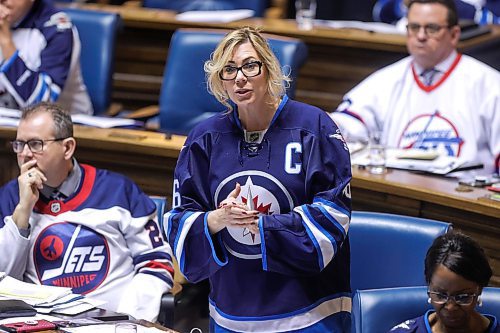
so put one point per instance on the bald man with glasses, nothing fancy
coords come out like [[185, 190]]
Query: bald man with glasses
[[68, 224], [436, 98]]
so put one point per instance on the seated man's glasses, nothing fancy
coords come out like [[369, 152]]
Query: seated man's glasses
[[430, 30], [35, 145], [440, 298], [250, 69]]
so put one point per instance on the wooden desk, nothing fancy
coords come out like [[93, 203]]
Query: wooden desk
[[149, 159], [338, 58]]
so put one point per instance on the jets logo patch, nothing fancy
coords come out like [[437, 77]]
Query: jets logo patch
[[259, 191], [338, 136], [432, 131], [71, 255]]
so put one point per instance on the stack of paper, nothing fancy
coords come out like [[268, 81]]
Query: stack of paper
[[46, 299], [10, 117], [412, 160], [105, 122], [223, 16], [379, 27]]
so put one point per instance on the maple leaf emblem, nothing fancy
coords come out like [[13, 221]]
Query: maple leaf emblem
[[261, 208]]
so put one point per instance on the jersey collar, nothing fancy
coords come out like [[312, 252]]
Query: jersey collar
[[447, 66]]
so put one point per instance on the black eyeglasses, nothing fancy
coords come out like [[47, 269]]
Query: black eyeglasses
[[440, 298], [35, 145], [430, 30], [250, 69]]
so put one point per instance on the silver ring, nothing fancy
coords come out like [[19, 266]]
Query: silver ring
[[29, 174]]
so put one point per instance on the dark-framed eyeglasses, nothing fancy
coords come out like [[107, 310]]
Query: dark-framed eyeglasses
[[430, 30], [35, 145], [249, 69], [461, 299]]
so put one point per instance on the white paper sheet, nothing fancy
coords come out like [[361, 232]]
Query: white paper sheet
[[215, 15], [380, 27], [104, 122], [441, 165], [12, 113], [8, 122], [29, 292]]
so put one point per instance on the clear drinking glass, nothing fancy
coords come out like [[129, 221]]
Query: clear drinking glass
[[125, 328], [305, 12], [376, 153]]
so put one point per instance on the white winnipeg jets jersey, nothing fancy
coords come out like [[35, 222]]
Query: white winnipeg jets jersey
[[103, 241], [459, 114]]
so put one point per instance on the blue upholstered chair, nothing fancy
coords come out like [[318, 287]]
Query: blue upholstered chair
[[388, 11], [97, 32], [161, 203], [378, 310], [388, 250], [258, 6], [184, 98]]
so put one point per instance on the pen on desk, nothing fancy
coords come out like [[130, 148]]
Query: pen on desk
[[7, 329]]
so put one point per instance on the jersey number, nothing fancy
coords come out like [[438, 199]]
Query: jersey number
[[154, 233], [176, 197]]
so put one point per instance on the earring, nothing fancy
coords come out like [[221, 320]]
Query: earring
[[429, 300], [479, 301]]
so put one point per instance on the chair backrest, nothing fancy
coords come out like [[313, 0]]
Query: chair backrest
[[388, 250], [388, 11], [161, 203], [97, 31], [378, 310], [258, 6], [184, 98]]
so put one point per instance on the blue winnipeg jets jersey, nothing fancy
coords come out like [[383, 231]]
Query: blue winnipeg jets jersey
[[421, 325], [46, 64], [294, 275], [102, 241]]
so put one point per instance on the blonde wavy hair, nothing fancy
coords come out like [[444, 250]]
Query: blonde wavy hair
[[277, 81]]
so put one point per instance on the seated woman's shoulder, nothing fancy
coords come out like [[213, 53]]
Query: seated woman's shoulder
[[409, 326]]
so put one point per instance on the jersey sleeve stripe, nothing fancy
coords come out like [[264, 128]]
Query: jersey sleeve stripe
[[262, 243], [152, 256], [185, 224], [323, 242], [339, 226], [335, 214], [212, 247], [44, 90]]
